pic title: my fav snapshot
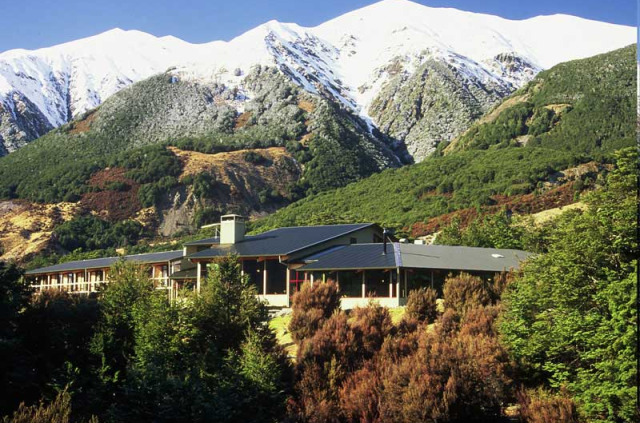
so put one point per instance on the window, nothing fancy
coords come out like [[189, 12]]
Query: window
[[276, 277], [353, 240], [377, 283], [253, 270], [296, 279], [350, 283]]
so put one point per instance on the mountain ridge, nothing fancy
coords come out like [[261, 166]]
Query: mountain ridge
[[346, 58]]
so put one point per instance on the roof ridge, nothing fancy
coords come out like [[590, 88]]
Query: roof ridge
[[397, 253], [320, 226], [331, 237]]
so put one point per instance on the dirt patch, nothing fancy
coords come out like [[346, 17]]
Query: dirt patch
[[83, 125], [551, 214], [26, 228], [306, 105], [306, 138], [558, 108], [194, 162], [242, 120], [118, 196]]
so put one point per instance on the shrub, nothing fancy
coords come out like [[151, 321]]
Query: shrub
[[90, 233], [449, 322], [254, 157], [480, 321], [204, 185], [117, 186], [311, 307], [372, 324], [360, 395], [59, 411], [454, 377], [324, 361], [464, 291], [541, 406], [421, 305]]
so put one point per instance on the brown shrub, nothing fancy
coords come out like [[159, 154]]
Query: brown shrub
[[315, 401], [58, 411], [334, 341], [403, 342], [311, 307], [422, 306], [360, 395], [464, 291], [480, 321], [448, 323], [455, 377], [541, 406], [324, 361], [371, 324], [500, 283]]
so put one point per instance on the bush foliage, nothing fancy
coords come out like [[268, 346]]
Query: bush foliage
[[312, 305], [422, 306]]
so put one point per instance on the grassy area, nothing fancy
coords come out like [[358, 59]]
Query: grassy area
[[546, 215], [279, 325], [397, 313]]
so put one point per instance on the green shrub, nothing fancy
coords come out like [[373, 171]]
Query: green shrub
[[254, 157]]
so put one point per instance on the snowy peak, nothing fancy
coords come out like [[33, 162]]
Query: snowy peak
[[349, 58]]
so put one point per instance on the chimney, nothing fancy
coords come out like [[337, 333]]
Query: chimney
[[385, 235], [231, 228]]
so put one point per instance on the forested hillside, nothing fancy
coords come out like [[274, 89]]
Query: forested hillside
[[553, 342], [572, 114]]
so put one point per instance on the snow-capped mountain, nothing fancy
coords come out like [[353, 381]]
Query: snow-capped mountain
[[355, 59]]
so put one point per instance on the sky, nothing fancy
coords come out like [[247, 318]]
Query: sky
[[32, 24]]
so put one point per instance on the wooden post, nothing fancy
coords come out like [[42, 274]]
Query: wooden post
[[398, 285], [288, 285], [198, 276], [406, 291], [264, 277]]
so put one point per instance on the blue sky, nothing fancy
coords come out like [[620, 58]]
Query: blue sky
[[39, 23]]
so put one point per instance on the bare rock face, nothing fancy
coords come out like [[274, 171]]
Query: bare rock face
[[240, 186], [434, 104], [20, 122]]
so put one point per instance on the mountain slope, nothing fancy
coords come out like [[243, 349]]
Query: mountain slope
[[595, 107], [580, 106], [353, 59], [132, 127], [432, 105]]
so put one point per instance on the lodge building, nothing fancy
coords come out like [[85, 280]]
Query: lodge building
[[365, 264]]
